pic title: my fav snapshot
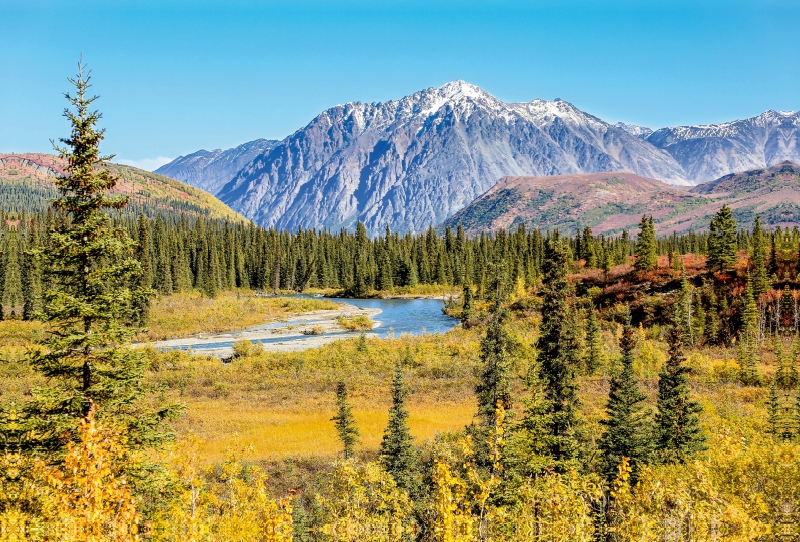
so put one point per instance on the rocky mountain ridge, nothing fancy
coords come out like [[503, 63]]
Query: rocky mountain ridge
[[211, 170]]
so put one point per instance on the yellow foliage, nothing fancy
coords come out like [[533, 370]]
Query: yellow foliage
[[87, 498], [237, 507], [363, 503]]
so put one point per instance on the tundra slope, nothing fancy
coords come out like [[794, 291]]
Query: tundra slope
[[611, 202]]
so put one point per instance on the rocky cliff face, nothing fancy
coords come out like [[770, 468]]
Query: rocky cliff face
[[413, 162], [711, 151], [211, 170]]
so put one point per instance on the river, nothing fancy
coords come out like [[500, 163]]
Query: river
[[391, 316]]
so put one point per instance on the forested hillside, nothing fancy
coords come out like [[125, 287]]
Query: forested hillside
[[26, 184]]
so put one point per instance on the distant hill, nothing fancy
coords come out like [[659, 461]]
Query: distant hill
[[26, 182], [610, 202], [773, 193], [211, 170]]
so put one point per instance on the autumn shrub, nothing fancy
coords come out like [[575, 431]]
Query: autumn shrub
[[355, 323]]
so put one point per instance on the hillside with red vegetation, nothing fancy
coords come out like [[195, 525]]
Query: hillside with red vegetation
[[611, 202]]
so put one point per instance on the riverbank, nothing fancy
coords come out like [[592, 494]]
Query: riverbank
[[190, 313], [422, 291], [310, 329]]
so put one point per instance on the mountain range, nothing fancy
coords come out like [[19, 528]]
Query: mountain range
[[417, 161], [611, 202]]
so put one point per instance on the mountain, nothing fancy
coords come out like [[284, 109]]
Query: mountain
[[610, 202], [413, 162], [26, 183], [642, 132], [707, 152], [211, 170]]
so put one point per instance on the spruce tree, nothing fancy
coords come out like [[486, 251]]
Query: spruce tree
[[345, 422], [144, 279], [758, 258], [627, 432], [87, 358], [645, 249], [594, 344], [495, 381], [557, 355], [467, 309], [678, 432], [33, 277], [397, 452], [683, 311], [722, 245], [12, 277], [748, 341]]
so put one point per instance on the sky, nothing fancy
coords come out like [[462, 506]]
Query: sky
[[177, 76]]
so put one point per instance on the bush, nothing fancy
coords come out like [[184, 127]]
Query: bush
[[355, 323]]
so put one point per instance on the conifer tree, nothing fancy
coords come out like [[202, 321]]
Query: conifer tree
[[678, 432], [495, 385], [683, 311], [645, 252], [758, 258], [144, 279], [397, 452], [466, 304], [12, 276], [557, 355], [594, 344], [33, 277], [345, 422], [748, 341], [722, 245], [88, 359], [627, 432]]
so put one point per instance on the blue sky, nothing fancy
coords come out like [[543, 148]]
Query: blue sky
[[175, 77]]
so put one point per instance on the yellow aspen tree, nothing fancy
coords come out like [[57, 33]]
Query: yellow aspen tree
[[91, 499]]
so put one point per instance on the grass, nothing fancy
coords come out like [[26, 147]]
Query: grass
[[305, 430], [190, 313]]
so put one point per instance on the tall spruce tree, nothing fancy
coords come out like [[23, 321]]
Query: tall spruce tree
[[467, 310], [722, 245], [345, 422], [144, 279], [495, 382], [678, 432], [758, 257], [627, 432], [645, 249], [88, 359], [12, 297], [33, 277], [748, 341], [557, 355], [397, 452], [594, 344]]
